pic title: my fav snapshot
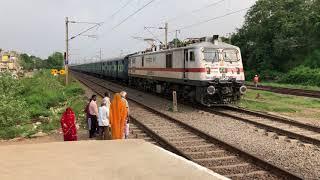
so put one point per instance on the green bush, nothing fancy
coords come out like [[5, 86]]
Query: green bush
[[302, 75], [265, 75], [24, 101], [313, 60], [13, 107]]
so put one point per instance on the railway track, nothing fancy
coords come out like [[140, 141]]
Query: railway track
[[196, 145], [290, 91], [294, 130], [281, 126]]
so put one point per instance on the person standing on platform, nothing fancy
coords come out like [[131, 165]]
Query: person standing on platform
[[88, 119], [126, 128], [118, 114], [68, 125], [93, 113], [103, 120], [256, 80], [107, 97]]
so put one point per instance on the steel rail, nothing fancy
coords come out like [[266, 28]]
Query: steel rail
[[254, 159], [288, 91]]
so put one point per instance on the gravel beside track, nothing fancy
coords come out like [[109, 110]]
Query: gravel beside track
[[219, 160], [293, 129], [298, 158]]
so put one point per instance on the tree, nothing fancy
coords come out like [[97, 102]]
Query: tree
[[55, 61], [278, 35], [31, 62]]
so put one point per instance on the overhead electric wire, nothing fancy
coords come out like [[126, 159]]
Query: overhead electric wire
[[205, 21], [122, 7], [154, 36], [196, 10], [134, 13], [96, 25], [212, 19], [193, 11]]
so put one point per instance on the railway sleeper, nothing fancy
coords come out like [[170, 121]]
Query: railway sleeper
[[243, 168], [189, 144], [209, 154], [260, 174]]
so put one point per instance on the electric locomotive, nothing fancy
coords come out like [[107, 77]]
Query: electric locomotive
[[205, 70]]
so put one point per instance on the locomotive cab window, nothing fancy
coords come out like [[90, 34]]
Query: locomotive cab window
[[211, 55], [169, 61], [191, 56], [230, 55]]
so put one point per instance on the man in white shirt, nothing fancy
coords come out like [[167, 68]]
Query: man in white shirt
[[93, 113], [103, 120]]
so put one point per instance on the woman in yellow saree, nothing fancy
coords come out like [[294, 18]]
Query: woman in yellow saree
[[117, 116]]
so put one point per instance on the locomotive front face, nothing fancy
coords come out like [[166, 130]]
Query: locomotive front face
[[224, 76], [222, 64]]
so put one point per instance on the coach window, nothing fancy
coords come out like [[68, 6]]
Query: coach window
[[192, 58], [169, 61], [142, 61]]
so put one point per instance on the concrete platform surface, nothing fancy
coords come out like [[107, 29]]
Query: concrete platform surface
[[97, 160]]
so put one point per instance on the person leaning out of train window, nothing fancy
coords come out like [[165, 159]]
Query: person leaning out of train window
[[256, 80], [124, 99]]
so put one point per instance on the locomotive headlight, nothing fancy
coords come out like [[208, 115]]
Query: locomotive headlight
[[243, 89], [211, 90]]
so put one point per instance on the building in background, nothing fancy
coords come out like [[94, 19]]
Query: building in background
[[9, 61]]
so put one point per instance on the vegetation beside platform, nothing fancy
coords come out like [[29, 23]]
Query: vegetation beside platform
[[292, 106], [34, 104]]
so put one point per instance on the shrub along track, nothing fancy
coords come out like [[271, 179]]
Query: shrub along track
[[194, 144], [288, 91]]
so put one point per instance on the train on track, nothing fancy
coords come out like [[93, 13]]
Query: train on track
[[205, 70]]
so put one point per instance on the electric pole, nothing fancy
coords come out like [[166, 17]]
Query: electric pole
[[66, 60], [67, 53], [166, 35], [176, 39]]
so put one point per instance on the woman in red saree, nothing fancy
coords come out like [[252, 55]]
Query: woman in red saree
[[117, 115], [68, 124]]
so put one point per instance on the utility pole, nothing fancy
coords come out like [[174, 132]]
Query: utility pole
[[69, 39], [176, 39], [67, 53], [100, 54], [166, 35]]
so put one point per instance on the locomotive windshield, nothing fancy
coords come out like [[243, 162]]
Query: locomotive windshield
[[211, 55], [230, 55]]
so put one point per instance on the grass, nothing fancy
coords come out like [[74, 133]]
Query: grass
[[293, 106], [294, 86], [46, 98]]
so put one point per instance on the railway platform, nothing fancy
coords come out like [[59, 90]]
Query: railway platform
[[97, 160]]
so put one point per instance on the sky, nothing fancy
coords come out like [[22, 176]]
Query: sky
[[37, 27]]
